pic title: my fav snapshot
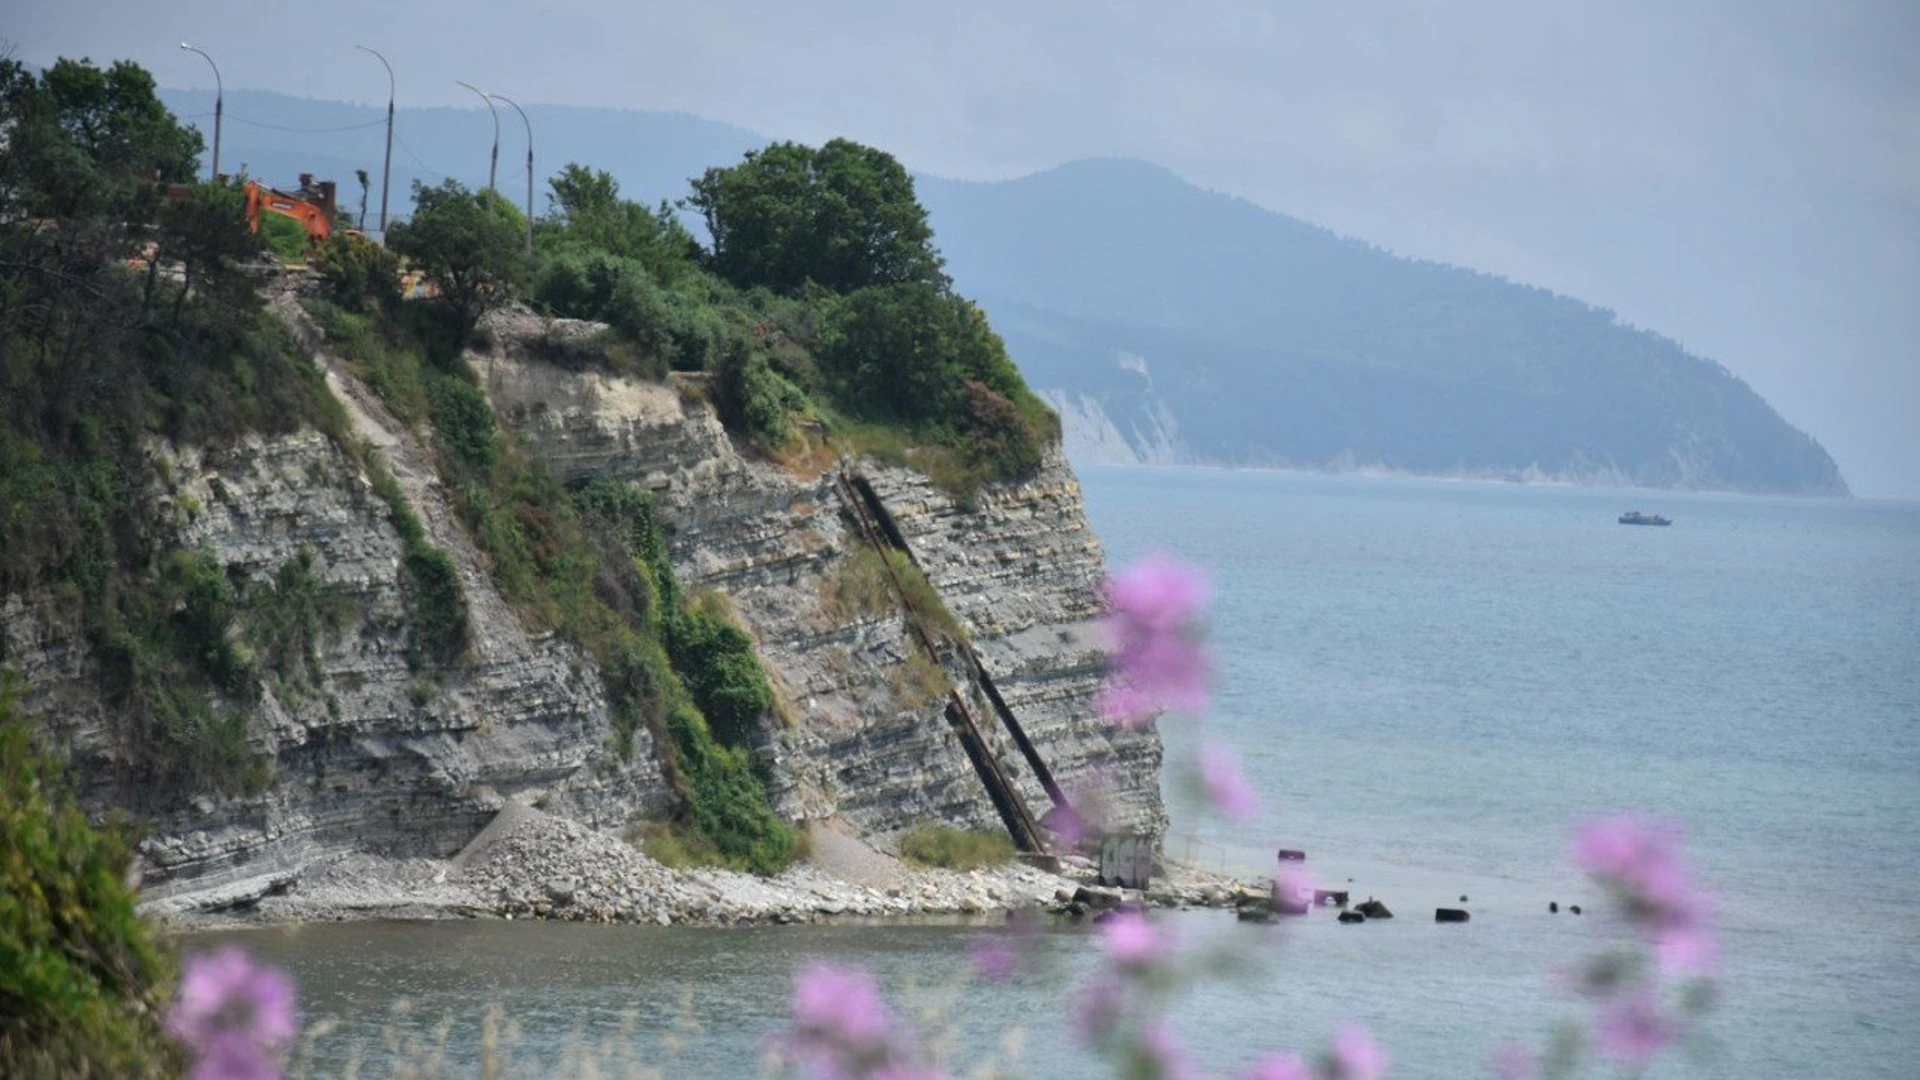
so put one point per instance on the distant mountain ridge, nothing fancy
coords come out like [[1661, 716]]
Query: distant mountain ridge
[[1171, 324]]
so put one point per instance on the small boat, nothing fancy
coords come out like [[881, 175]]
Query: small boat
[[1635, 517]]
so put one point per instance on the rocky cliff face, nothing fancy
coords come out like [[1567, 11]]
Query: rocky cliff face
[[380, 757], [1021, 573]]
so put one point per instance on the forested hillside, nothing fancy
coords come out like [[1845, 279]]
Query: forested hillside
[[1265, 340]]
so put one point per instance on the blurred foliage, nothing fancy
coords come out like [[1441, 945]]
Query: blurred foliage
[[82, 979]]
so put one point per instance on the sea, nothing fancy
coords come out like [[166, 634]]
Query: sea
[[1430, 684]]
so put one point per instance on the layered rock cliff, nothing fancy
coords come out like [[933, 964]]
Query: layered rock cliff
[[380, 755]]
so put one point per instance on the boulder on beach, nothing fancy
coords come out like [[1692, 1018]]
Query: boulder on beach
[[1096, 897]]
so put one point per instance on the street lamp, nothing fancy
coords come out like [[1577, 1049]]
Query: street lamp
[[386, 169], [493, 166], [219, 103], [529, 124]]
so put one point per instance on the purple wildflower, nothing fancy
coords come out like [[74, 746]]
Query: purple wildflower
[[1633, 1030], [1356, 1056], [1225, 784], [1281, 1067], [1641, 859], [234, 1017], [1155, 607], [1132, 939], [842, 1031], [839, 1003]]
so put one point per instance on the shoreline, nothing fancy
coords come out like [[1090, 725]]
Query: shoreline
[[532, 865]]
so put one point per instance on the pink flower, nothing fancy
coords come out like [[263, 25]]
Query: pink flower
[[1226, 786], [1356, 1056], [1641, 860], [1154, 611], [1132, 939], [1515, 1063], [839, 1003], [842, 1031], [1281, 1067], [1633, 1030], [1685, 948], [233, 1016]]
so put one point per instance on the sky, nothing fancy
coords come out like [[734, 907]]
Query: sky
[[1740, 175]]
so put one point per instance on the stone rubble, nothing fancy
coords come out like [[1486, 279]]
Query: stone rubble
[[547, 867]]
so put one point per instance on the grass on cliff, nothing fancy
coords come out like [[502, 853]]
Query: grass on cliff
[[80, 517], [956, 849], [591, 565], [871, 583]]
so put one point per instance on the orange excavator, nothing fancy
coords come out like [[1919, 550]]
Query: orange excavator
[[312, 206]]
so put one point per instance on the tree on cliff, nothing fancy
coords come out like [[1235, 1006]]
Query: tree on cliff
[[589, 215], [843, 216], [470, 244]]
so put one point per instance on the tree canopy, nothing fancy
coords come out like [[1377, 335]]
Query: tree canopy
[[843, 216], [470, 244]]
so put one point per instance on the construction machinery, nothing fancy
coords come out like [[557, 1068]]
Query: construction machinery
[[312, 206]]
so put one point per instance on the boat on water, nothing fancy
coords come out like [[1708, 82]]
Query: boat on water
[[1635, 517]]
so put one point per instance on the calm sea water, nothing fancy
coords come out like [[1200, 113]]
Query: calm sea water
[[1430, 682]]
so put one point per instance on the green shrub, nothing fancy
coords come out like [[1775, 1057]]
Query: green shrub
[[377, 355], [671, 844], [438, 606], [82, 980], [283, 236], [715, 659], [163, 647], [287, 618], [357, 273], [752, 398], [463, 424], [725, 800], [436, 601], [956, 849]]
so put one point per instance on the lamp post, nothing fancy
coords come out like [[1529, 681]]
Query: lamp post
[[386, 168], [219, 105], [529, 125], [493, 165]]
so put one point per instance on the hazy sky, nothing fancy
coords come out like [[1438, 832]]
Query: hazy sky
[[1741, 175]]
